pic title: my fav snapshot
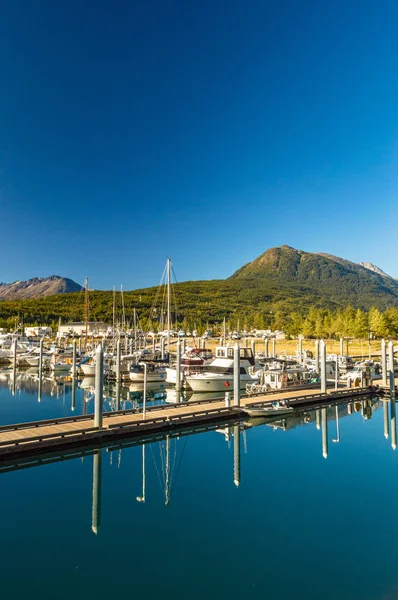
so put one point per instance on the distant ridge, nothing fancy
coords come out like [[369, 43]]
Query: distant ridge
[[38, 286], [283, 280]]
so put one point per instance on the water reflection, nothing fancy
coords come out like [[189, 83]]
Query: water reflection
[[328, 422], [170, 451]]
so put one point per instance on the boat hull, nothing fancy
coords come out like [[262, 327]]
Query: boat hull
[[151, 377], [217, 384], [88, 370]]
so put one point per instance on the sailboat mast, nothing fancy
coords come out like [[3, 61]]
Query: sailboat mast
[[167, 482], [123, 312], [135, 329], [114, 310], [86, 311], [168, 305]]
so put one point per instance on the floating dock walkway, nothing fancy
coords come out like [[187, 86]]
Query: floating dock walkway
[[32, 438]]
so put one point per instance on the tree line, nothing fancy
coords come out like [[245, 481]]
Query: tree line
[[204, 308]]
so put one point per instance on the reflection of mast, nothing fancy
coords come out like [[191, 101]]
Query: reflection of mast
[[142, 498], [386, 423], [86, 310], [324, 420], [237, 455], [96, 506], [167, 483]]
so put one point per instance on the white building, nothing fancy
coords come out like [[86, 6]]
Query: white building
[[95, 329]]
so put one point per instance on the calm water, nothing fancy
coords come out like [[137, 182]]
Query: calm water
[[297, 525]]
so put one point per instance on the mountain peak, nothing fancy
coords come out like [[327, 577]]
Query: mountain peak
[[38, 286], [374, 268]]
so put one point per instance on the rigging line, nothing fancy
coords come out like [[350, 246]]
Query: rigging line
[[163, 463], [174, 291], [156, 467], [162, 279], [179, 465]]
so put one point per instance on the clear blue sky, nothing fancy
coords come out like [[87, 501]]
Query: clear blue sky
[[208, 131]]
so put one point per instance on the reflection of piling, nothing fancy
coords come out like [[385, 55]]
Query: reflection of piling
[[99, 386], [323, 366], [236, 375], [393, 423], [236, 455], [96, 506], [73, 402], [74, 358], [386, 423], [324, 420], [318, 418], [39, 388], [384, 362]]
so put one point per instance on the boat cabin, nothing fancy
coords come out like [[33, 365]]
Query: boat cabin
[[228, 352], [278, 379]]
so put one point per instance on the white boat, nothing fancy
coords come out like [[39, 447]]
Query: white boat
[[137, 373], [88, 369], [60, 365], [219, 375], [279, 409], [281, 377], [194, 361]]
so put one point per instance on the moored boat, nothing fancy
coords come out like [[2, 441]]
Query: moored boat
[[219, 375]]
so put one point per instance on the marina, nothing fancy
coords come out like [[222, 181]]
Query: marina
[[191, 481]]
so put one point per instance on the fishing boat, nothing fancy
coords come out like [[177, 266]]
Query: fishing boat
[[280, 377], [219, 374]]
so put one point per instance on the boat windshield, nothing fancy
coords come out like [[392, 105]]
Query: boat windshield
[[224, 370]]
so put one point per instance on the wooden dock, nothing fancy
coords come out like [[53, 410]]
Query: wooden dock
[[24, 439]]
